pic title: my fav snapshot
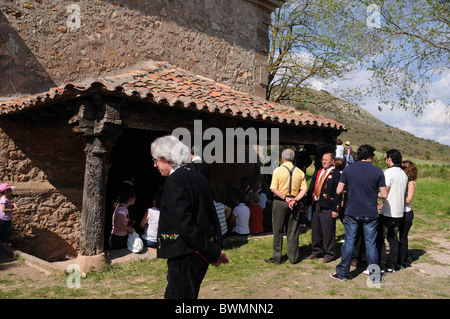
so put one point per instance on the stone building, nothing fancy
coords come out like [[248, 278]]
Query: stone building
[[86, 88]]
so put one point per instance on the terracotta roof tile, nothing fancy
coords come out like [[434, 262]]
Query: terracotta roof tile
[[161, 82]]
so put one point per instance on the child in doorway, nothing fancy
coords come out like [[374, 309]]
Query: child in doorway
[[6, 211]]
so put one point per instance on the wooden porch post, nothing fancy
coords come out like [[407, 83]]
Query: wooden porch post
[[93, 209], [96, 121]]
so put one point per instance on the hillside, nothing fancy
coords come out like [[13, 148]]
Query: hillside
[[364, 128]]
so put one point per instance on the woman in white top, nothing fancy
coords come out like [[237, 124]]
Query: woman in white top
[[150, 223], [410, 170], [240, 217], [339, 149]]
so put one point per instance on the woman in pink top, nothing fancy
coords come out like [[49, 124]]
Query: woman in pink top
[[6, 211], [121, 221]]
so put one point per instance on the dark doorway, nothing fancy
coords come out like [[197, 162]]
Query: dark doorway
[[130, 158]]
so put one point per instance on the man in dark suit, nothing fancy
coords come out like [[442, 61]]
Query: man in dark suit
[[188, 232], [325, 209], [198, 164]]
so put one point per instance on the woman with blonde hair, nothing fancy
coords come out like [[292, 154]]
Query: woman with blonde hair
[[410, 170]]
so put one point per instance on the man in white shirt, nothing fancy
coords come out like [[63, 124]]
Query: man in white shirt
[[392, 210]]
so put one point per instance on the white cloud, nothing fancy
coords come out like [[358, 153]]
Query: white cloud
[[317, 85], [441, 87], [431, 124]]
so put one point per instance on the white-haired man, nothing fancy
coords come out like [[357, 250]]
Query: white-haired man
[[288, 186], [189, 231]]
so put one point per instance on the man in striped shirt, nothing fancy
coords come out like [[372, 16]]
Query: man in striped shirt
[[223, 212]]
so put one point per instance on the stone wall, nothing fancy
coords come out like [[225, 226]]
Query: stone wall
[[50, 43], [46, 166]]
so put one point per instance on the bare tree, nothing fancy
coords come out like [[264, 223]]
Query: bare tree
[[301, 51]]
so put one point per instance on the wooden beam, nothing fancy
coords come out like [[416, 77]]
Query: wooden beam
[[93, 208], [96, 121]]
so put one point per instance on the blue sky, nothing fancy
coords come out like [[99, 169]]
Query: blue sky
[[431, 124]]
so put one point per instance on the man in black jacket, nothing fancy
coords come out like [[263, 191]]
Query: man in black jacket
[[325, 209], [198, 164], [189, 233]]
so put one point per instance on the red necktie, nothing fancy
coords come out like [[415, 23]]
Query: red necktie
[[319, 184]]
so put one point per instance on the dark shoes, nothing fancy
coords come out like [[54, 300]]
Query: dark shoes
[[335, 276], [327, 260], [324, 260], [272, 261]]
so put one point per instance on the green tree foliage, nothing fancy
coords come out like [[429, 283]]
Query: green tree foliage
[[405, 44], [301, 50]]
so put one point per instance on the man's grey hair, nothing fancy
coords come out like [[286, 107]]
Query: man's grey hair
[[288, 154], [172, 149]]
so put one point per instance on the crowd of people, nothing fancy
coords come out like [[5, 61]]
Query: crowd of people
[[187, 226], [345, 187], [369, 223], [245, 216], [242, 218]]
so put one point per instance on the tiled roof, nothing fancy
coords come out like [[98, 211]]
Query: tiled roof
[[163, 83]]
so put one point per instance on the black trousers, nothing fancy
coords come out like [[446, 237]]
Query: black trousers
[[388, 229], [184, 276], [323, 232], [118, 242], [403, 230]]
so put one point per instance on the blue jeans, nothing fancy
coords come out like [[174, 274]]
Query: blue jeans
[[351, 224], [149, 243]]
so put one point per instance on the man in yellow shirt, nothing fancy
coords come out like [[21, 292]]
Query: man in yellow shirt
[[288, 186]]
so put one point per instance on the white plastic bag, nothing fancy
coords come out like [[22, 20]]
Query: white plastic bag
[[134, 243]]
